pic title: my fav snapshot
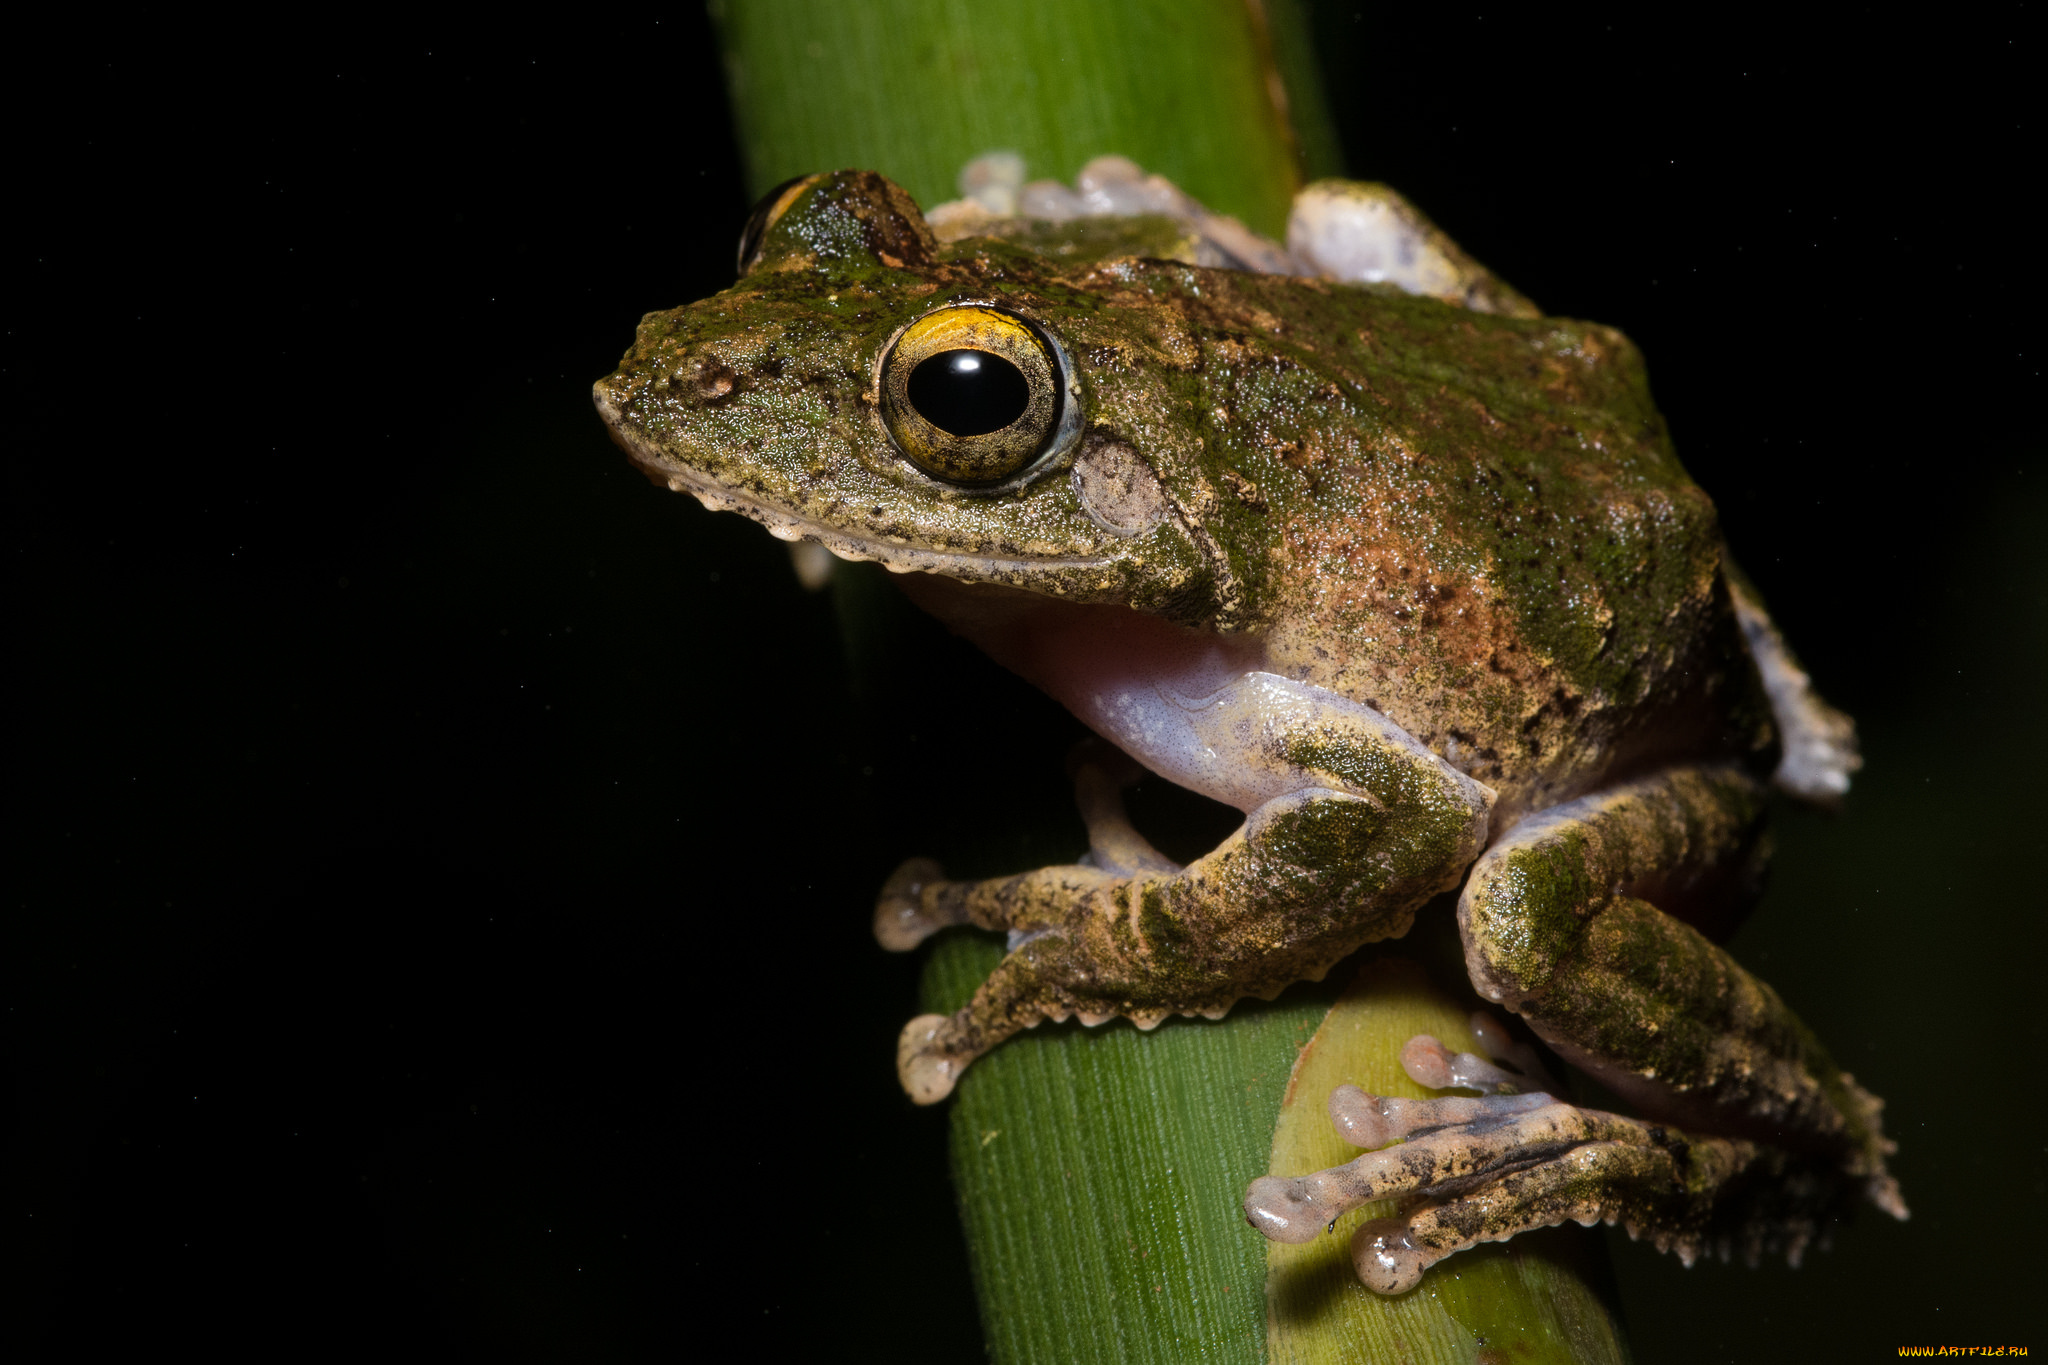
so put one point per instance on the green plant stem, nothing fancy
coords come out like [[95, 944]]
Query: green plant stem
[[914, 90]]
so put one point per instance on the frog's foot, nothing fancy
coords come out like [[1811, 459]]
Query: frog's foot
[[1366, 233], [1482, 1170], [1475, 1170]]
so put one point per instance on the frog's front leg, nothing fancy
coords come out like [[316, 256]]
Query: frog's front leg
[[1351, 826], [917, 901], [1562, 924]]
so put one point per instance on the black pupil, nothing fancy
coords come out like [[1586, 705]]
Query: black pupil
[[968, 393]]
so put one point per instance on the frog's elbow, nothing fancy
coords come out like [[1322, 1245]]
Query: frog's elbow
[[1819, 741]]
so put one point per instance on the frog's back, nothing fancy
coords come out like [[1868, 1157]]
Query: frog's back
[[1475, 524]]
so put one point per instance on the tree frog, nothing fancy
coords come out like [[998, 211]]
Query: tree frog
[[1346, 534]]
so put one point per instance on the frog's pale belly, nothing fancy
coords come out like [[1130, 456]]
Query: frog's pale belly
[[1133, 679], [1197, 709], [1186, 704]]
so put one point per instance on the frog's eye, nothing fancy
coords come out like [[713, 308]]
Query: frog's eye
[[972, 395]]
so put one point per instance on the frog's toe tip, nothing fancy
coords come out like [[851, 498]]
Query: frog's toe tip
[[1387, 1260], [1284, 1210], [926, 1071], [1364, 1120], [900, 919], [1427, 1062]]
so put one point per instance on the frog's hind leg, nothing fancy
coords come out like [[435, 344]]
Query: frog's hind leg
[[1565, 922], [1561, 923]]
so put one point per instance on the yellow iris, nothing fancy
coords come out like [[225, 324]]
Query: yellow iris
[[971, 394]]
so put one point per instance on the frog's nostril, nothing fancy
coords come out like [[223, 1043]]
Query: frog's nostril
[[968, 393], [714, 381]]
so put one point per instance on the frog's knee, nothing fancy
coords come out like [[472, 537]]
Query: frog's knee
[[1513, 946]]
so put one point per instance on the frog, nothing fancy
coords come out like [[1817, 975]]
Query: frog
[[1348, 535]]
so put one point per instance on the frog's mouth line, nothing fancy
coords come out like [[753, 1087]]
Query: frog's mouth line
[[1015, 570]]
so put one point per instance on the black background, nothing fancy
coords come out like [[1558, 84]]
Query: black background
[[439, 861]]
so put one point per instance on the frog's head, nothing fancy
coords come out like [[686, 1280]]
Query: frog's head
[[864, 387]]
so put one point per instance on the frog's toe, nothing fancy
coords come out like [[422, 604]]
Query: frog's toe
[[902, 920], [925, 1065], [1482, 1170], [1438, 1140], [1373, 1121], [1430, 1063], [1386, 1257]]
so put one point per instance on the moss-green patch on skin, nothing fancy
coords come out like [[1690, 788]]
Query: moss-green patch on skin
[[1431, 827]]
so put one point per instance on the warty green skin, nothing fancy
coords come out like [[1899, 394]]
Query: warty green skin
[[1467, 579]]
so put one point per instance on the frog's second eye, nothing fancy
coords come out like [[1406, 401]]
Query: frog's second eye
[[971, 395], [767, 212]]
